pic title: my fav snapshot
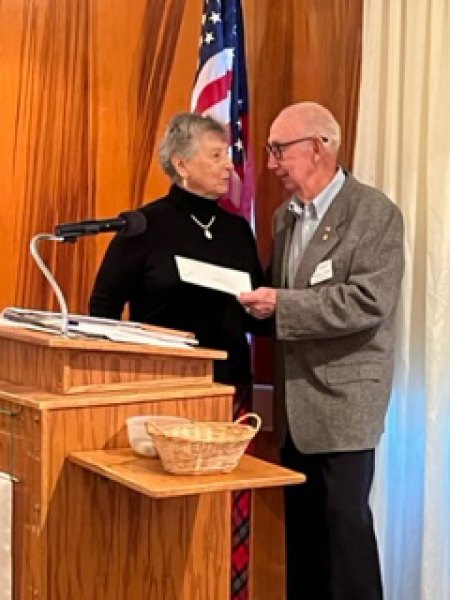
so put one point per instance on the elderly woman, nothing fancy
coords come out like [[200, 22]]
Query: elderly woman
[[188, 222], [142, 271]]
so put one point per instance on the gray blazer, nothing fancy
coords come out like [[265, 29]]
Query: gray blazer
[[335, 337]]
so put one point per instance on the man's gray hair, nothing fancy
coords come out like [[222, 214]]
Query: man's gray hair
[[181, 137]]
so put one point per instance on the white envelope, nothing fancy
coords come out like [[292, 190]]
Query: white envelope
[[230, 281]]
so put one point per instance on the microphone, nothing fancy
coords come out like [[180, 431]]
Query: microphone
[[129, 223]]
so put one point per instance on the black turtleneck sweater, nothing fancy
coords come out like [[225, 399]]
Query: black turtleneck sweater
[[142, 271]]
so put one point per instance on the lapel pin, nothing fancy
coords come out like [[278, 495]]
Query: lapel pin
[[326, 235]]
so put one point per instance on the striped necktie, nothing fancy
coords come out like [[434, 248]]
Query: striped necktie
[[304, 228]]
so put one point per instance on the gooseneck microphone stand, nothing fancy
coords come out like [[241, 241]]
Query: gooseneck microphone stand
[[48, 275], [128, 223]]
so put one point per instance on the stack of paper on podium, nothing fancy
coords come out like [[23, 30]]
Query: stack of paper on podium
[[84, 326]]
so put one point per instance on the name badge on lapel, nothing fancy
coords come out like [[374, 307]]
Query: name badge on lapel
[[322, 272]]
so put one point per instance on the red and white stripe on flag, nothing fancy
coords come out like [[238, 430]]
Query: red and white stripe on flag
[[220, 90]]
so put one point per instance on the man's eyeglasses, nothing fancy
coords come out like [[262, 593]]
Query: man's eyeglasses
[[276, 148]]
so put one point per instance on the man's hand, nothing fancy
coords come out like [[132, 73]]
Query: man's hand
[[261, 303]]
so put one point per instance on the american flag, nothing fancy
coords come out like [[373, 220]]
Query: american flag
[[220, 90]]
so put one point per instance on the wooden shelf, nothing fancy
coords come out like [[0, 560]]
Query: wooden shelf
[[147, 476], [41, 400]]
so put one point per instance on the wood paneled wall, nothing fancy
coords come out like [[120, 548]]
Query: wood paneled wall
[[87, 88]]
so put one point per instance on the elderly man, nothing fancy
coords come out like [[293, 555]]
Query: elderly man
[[336, 271]]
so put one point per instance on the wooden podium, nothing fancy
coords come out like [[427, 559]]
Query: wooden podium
[[92, 520]]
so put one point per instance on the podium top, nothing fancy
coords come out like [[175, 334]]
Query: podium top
[[86, 326], [54, 340], [97, 355]]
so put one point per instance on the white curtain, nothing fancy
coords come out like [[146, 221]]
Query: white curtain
[[403, 148]]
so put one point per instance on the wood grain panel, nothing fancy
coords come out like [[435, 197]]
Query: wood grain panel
[[86, 83], [75, 499], [157, 568], [66, 365], [20, 450], [268, 548], [45, 434], [95, 371], [148, 477], [49, 515], [33, 398], [87, 88], [51, 140], [29, 365]]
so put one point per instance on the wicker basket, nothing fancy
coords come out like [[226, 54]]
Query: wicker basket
[[203, 446]]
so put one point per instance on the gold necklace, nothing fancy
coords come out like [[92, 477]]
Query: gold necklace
[[206, 232]]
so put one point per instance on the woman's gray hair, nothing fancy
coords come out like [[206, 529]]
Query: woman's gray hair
[[181, 137]]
